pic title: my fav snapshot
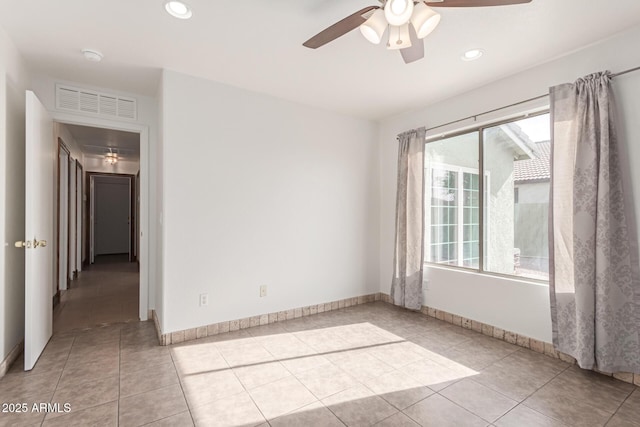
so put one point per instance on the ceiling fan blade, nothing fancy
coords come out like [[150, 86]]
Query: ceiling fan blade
[[473, 3], [415, 51], [338, 29]]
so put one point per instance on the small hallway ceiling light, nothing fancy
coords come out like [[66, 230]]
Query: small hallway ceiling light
[[178, 9], [111, 157], [472, 54], [92, 55]]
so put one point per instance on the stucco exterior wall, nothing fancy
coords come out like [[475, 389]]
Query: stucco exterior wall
[[498, 164], [532, 218]]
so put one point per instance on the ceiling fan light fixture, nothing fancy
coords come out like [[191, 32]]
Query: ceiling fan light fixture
[[424, 20], [399, 37], [373, 28], [398, 12], [178, 9]]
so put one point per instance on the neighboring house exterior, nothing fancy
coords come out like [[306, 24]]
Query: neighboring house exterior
[[532, 180], [452, 190]]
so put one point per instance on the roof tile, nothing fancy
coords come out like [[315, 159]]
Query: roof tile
[[534, 169]]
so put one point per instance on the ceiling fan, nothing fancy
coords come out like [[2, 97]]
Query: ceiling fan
[[409, 22]]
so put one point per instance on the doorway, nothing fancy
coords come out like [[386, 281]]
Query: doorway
[[143, 233], [63, 219], [113, 215], [97, 274]]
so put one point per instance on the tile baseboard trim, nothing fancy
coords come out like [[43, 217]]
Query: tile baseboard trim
[[156, 323], [512, 338], [259, 320], [15, 352]]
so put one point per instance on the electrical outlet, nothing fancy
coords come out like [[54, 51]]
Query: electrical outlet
[[263, 291], [425, 285], [204, 299]]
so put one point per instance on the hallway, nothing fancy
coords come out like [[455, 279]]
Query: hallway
[[104, 293]]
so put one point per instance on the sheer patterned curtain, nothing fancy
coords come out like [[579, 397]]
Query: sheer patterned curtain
[[406, 286], [594, 280]]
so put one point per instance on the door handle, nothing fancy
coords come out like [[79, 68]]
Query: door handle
[[29, 244]]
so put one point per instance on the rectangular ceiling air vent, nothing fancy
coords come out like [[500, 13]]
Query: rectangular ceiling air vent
[[101, 104]]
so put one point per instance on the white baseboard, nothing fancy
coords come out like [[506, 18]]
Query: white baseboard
[[11, 357]]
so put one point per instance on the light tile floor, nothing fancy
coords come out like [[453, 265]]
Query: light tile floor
[[105, 292], [371, 364]]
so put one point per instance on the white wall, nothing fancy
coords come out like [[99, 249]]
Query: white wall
[[261, 191], [14, 80], [509, 304], [157, 159]]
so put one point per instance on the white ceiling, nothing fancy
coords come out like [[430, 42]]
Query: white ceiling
[[257, 45], [96, 141]]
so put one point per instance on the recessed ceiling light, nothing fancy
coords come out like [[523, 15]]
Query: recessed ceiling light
[[92, 55], [472, 54], [178, 9]]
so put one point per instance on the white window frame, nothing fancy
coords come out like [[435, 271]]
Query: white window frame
[[459, 170]]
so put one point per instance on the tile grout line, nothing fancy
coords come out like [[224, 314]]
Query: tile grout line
[[421, 400], [317, 353], [460, 406], [243, 386], [357, 381], [184, 395], [619, 406], [119, 377], [540, 388], [500, 392], [521, 403], [88, 381], [61, 373], [491, 364]]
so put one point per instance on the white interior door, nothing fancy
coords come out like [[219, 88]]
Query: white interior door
[[40, 157]]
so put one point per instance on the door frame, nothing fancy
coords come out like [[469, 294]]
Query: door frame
[[143, 131], [132, 213], [79, 217], [61, 147], [70, 202]]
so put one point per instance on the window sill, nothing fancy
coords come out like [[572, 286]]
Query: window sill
[[475, 272]]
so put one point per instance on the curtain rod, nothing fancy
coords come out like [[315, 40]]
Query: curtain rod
[[515, 104]]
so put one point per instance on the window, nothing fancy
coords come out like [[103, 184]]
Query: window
[[452, 216], [512, 210], [455, 216]]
